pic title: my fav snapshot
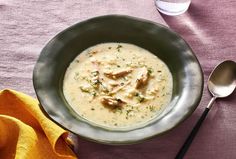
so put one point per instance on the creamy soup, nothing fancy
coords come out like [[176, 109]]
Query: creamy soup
[[117, 85]]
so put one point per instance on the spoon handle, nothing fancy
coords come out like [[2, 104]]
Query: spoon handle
[[191, 136]]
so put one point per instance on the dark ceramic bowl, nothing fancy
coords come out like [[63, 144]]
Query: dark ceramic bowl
[[167, 45]]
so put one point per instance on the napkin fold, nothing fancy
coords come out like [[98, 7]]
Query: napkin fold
[[26, 133]]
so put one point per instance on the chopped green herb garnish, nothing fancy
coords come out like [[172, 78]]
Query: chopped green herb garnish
[[84, 78], [118, 47], [109, 48], [151, 108], [94, 94], [92, 109], [150, 70], [86, 90], [118, 110], [94, 83], [140, 97], [91, 53], [128, 111], [128, 64], [77, 61]]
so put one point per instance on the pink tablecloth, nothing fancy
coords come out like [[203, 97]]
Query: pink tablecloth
[[208, 26]]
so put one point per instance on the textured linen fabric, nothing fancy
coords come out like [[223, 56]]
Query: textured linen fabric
[[26, 133], [208, 26]]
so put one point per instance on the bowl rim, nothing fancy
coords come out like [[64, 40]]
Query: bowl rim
[[198, 98]]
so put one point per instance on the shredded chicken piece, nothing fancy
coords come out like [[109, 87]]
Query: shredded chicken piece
[[142, 78], [112, 101], [117, 74]]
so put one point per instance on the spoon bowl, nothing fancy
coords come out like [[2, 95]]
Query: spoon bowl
[[221, 82]]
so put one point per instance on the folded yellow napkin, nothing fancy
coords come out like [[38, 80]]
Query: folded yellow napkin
[[25, 133]]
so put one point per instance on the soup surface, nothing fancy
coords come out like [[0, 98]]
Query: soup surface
[[117, 85]]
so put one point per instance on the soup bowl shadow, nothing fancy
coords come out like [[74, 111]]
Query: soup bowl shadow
[[60, 51]]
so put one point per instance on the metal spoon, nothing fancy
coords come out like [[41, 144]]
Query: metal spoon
[[221, 83]]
